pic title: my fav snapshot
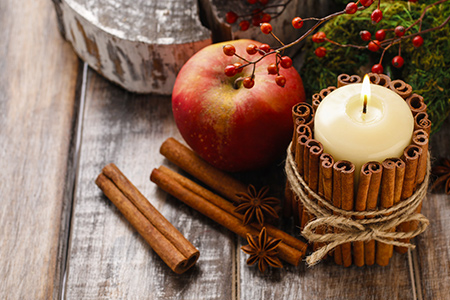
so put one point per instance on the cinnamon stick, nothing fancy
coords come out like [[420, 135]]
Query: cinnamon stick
[[313, 150], [173, 248], [384, 80], [420, 139], [303, 113], [393, 168], [167, 182], [374, 78], [422, 121], [190, 162], [366, 200], [325, 188], [343, 186], [315, 101], [403, 89], [345, 79], [416, 104], [411, 156]]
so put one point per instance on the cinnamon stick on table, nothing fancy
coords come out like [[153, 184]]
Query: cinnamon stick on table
[[343, 186], [173, 248], [366, 200], [197, 200], [190, 162]]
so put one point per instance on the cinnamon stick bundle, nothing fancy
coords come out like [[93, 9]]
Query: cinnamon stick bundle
[[416, 104], [391, 186], [343, 187], [303, 113], [190, 162], [403, 89], [411, 156], [345, 79], [173, 248], [216, 209]]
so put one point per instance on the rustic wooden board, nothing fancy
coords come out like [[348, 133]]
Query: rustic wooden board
[[433, 252], [38, 74], [107, 258]]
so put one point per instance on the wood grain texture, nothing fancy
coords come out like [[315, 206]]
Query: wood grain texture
[[433, 246], [108, 259], [140, 45], [38, 73]]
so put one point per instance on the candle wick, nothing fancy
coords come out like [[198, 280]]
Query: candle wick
[[365, 104]]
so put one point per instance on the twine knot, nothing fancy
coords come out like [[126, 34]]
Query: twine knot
[[342, 226]]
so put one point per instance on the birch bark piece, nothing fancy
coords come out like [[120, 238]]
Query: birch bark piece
[[140, 45]]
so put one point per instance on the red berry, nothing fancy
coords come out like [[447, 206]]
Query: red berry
[[252, 1], [414, 1], [297, 22], [319, 37], [351, 8], [280, 80], [320, 51], [417, 41], [365, 35], [266, 28], [380, 35], [398, 61], [263, 2], [265, 48], [256, 20], [286, 62], [399, 31], [377, 68], [272, 69], [230, 70], [244, 25], [231, 17], [266, 18], [376, 15], [248, 82], [366, 3], [238, 67], [229, 50], [374, 46], [251, 49]]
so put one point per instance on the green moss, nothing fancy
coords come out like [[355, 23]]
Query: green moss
[[425, 68]]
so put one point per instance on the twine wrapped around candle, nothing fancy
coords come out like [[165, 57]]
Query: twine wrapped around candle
[[351, 230]]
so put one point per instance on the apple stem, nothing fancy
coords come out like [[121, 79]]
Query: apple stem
[[237, 81]]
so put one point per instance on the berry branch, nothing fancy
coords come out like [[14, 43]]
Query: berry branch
[[374, 45]]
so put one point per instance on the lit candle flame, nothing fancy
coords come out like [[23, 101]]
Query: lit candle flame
[[365, 93]]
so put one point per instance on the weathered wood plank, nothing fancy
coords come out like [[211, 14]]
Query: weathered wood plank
[[433, 246], [38, 73], [107, 257]]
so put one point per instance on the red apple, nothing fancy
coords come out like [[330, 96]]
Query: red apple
[[235, 129]]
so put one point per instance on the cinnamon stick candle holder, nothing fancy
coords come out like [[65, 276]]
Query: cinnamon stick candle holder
[[361, 223]]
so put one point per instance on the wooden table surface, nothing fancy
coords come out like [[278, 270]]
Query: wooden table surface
[[60, 123]]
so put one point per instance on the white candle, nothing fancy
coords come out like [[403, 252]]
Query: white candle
[[349, 134]]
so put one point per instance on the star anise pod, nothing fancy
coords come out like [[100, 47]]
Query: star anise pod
[[255, 204], [443, 173], [262, 249]]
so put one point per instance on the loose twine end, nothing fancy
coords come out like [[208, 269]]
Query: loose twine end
[[351, 230]]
